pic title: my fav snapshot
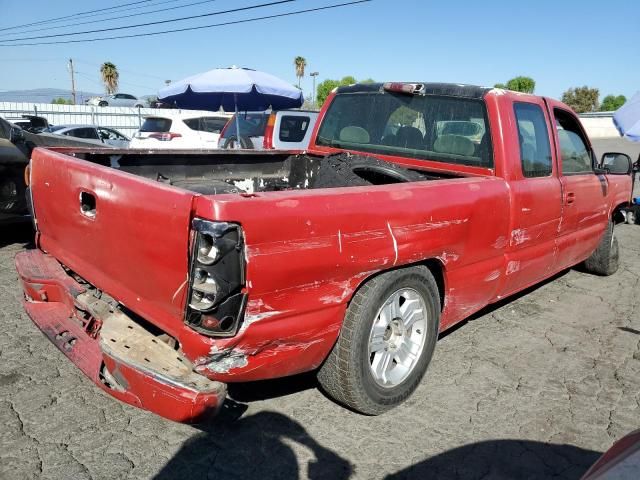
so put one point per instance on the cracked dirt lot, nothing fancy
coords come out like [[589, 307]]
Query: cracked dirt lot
[[533, 388], [536, 387]]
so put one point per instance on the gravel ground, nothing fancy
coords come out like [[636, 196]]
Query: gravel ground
[[535, 387]]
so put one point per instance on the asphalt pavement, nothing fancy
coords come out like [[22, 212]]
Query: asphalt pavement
[[535, 387]]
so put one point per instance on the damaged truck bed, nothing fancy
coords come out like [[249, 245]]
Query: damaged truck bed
[[166, 276]]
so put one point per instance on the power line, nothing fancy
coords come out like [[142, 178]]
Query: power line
[[75, 15], [100, 20], [158, 22], [186, 29]]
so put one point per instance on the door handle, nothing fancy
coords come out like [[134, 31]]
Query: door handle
[[571, 197]]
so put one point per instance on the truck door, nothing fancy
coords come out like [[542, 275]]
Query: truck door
[[536, 197], [584, 194]]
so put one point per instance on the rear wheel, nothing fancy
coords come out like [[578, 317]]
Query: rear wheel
[[606, 257], [386, 342]]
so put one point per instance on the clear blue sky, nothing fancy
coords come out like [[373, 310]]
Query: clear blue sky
[[559, 43]]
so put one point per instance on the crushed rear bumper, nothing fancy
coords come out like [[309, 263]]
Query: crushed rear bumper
[[115, 352]]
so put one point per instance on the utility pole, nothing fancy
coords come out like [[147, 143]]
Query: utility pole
[[314, 75], [73, 81]]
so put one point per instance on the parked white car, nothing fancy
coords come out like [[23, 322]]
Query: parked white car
[[93, 133], [117, 100], [182, 130], [280, 130]]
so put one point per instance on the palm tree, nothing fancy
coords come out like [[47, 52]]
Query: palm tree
[[300, 64], [109, 73]]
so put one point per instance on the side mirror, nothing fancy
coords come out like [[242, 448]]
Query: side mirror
[[616, 163], [16, 135]]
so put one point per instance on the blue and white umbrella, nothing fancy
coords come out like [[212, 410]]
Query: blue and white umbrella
[[627, 119], [232, 89]]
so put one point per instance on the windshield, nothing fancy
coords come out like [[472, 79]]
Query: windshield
[[251, 125], [431, 127]]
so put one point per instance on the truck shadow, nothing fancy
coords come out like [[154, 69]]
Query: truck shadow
[[503, 460], [264, 445], [271, 445], [21, 232]]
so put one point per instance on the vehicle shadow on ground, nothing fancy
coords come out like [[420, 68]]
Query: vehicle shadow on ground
[[17, 233], [272, 445], [264, 445], [503, 460]]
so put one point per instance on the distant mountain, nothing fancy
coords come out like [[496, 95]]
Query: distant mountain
[[43, 95]]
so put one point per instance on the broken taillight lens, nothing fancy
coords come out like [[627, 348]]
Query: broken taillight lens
[[216, 300]]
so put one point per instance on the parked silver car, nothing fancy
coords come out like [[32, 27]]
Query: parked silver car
[[98, 135], [117, 100]]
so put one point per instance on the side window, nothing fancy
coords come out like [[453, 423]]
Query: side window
[[293, 128], [89, 133], [575, 155], [533, 137]]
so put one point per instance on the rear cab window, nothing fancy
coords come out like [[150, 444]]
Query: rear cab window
[[431, 127], [156, 124], [293, 128], [533, 138]]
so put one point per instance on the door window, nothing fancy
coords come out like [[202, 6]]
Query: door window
[[89, 133], [293, 128], [533, 136], [574, 151]]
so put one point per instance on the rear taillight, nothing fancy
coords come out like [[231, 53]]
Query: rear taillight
[[165, 136], [216, 300], [268, 132]]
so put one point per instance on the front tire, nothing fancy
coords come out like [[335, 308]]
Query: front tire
[[606, 257], [386, 342], [103, 104]]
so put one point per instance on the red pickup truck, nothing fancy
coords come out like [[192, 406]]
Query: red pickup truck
[[166, 275]]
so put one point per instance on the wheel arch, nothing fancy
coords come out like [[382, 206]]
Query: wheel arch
[[435, 266], [617, 213]]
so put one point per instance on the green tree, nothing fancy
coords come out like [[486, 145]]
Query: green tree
[[62, 101], [110, 76], [582, 99], [519, 84], [522, 84], [300, 63], [611, 103], [325, 87]]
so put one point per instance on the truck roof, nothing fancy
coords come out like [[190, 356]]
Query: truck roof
[[430, 88]]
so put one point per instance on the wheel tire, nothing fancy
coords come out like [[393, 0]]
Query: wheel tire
[[103, 104], [606, 257], [245, 143], [347, 375]]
